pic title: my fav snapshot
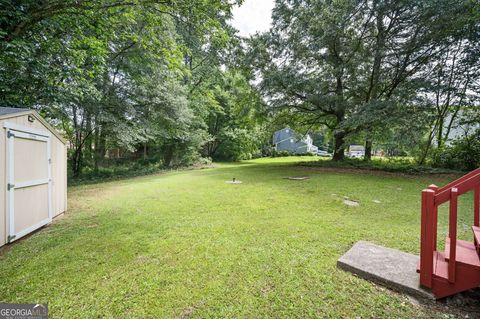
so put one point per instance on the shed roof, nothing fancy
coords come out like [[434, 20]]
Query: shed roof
[[10, 110]]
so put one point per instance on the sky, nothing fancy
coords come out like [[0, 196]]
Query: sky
[[253, 16]]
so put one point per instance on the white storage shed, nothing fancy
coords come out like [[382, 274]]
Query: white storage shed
[[33, 173]]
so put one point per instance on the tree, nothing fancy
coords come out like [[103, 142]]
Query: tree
[[110, 74], [335, 60], [450, 89], [234, 118]]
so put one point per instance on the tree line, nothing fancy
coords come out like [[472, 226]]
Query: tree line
[[171, 81], [143, 77]]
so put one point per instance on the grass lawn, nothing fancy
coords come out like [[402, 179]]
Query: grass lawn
[[186, 244]]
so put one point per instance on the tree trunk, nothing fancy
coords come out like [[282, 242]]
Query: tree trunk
[[339, 153], [452, 120], [440, 131], [168, 155], [368, 150], [88, 152], [74, 165], [77, 162], [376, 71], [99, 147], [429, 144]]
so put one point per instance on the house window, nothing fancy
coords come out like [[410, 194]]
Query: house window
[[287, 130]]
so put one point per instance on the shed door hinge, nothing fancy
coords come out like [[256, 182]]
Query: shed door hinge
[[10, 186], [10, 134]]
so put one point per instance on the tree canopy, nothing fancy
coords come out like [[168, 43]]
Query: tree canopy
[[360, 67], [129, 75], [172, 82]]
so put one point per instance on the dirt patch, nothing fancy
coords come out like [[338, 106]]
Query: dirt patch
[[187, 313], [462, 305], [5, 248], [265, 290]]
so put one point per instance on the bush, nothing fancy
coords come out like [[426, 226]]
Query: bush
[[238, 144], [127, 170], [395, 165], [276, 153], [463, 154]]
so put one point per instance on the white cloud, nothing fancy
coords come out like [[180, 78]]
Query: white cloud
[[253, 16]]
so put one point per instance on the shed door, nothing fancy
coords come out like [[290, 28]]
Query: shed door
[[29, 182]]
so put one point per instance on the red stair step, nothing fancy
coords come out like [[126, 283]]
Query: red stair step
[[476, 235], [440, 265], [467, 277], [466, 253]]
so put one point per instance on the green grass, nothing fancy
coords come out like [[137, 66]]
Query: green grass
[[186, 244]]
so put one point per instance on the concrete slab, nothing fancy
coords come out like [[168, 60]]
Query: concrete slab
[[297, 178], [351, 203], [388, 267], [233, 182]]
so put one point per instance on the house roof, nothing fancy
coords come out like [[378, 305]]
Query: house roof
[[357, 148], [9, 112]]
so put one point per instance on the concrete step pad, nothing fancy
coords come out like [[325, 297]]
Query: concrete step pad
[[388, 267]]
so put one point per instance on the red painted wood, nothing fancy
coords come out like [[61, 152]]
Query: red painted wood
[[460, 180], [441, 266], [452, 233], [476, 237], [466, 253], [458, 269], [434, 188], [467, 278], [465, 186], [476, 207], [426, 244]]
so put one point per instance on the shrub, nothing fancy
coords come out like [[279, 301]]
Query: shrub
[[395, 165], [462, 154], [276, 153]]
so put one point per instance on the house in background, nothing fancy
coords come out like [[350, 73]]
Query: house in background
[[356, 151], [287, 140], [458, 129]]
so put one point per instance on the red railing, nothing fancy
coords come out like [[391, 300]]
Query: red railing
[[432, 198]]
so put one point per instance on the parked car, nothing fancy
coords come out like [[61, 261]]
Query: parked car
[[324, 153]]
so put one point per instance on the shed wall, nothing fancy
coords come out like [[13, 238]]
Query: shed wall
[[3, 182], [59, 171]]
